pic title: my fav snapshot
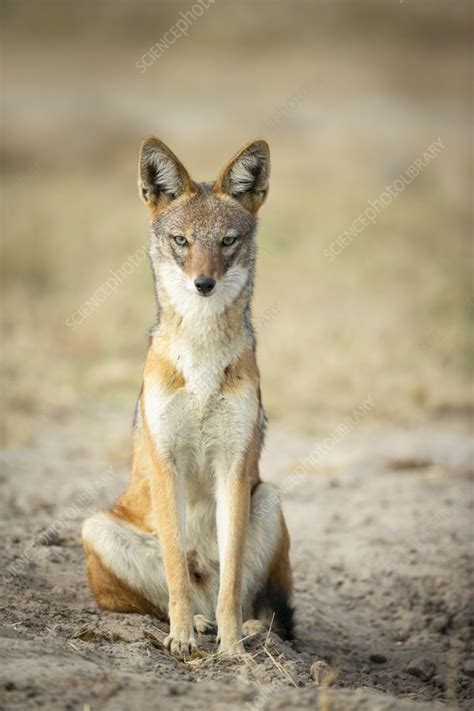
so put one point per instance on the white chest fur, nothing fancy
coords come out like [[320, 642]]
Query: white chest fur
[[202, 356], [199, 425], [201, 429]]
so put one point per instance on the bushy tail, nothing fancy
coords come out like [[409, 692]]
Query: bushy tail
[[272, 606]]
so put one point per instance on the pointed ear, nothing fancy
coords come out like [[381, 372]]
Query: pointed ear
[[246, 176], [161, 176]]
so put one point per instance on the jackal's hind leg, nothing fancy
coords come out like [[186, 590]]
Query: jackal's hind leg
[[124, 566], [203, 625]]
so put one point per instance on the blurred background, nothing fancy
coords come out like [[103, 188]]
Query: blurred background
[[348, 94]]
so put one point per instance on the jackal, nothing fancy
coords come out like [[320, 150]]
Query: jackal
[[197, 537]]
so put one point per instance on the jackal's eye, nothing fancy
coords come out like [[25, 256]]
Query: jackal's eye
[[229, 240], [180, 240]]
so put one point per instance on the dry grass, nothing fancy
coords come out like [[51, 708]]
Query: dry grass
[[388, 317]]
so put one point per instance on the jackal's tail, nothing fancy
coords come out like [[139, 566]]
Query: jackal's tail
[[272, 606]]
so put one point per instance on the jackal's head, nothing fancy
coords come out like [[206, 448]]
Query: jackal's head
[[203, 234]]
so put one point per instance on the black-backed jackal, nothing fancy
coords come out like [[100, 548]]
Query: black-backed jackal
[[197, 536]]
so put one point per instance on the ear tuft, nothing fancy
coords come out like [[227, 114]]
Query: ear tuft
[[161, 176], [246, 176]]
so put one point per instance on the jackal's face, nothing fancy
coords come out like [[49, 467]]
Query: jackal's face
[[203, 234]]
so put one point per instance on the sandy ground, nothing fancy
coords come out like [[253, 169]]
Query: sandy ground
[[380, 527], [349, 95]]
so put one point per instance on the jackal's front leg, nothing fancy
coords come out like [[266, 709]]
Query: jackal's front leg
[[168, 508], [233, 502]]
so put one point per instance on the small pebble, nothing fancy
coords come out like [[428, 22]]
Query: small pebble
[[468, 667], [421, 667], [439, 682], [440, 623], [378, 658]]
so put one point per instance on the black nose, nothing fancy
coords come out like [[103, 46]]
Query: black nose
[[204, 284]]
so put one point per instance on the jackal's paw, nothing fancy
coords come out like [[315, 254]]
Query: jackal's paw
[[253, 627], [181, 646], [203, 625]]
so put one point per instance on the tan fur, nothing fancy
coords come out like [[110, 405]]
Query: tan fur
[[196, 531], [164, 497], [134, 505], [229, 612], [159, 368], [204, 261], [245, 368]]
